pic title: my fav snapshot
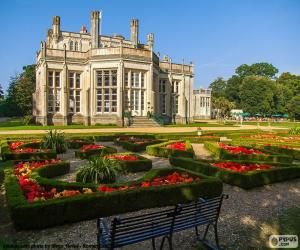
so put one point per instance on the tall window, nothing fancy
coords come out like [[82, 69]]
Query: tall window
[[135, 79], [54, 90], [71, 45], [143, 80], [162, 96], [74, 92], [76, 46], [175, 96], [126, 78], [106, 91]]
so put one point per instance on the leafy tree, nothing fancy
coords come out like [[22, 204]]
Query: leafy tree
[[291, 81], [218, 87], [1, 92], [223, 106], [257, 95], [21, 88], [257, 69], [232, 90], [294, 107]]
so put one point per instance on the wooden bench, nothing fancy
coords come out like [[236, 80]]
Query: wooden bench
[[129, 230]]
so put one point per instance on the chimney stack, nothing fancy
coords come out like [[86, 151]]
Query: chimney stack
[[56, 27], [83, 30], [134, 32], [95, 29]]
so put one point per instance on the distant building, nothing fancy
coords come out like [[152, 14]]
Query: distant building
[[202, 104], [86, 77]]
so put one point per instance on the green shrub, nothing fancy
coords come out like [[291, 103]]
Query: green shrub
[[100, 151], [161, 150], [42, 214], [99, 170], [221, 153], [247, 180], [8, 155], [135, 147], [294, 131], [56, 141]]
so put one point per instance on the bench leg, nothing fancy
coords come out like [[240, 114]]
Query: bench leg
[[205, 242], [153, 244], [169, 238]]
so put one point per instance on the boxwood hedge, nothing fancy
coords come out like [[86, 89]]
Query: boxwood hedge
[[42, 214], [134, 147], [10, 155], [161, 150], [220, 153], [247, 180], [89, 153]]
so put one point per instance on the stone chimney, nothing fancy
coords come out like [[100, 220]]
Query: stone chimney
[[56, 28], [95, 29], [150, 40], [83, 30], [134, 32]]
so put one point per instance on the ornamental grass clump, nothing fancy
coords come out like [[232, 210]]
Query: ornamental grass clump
[[99, 170], [56, 141]]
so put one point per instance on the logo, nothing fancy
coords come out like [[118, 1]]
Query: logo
[[283, 241]]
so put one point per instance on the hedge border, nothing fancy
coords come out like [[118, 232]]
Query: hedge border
[[222, 154], [89, 153], [42, 214], [8, 155], [248, 180], [161, 150], [136, 147]]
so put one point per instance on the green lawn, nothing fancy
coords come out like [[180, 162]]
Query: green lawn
[[275, 124], [18, 124], [203, 124]]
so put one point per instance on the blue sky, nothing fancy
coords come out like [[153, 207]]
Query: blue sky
[[217, 35]]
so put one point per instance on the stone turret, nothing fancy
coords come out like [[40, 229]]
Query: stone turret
[[134, 32], [56, 28], [150, 40], [95, 31]]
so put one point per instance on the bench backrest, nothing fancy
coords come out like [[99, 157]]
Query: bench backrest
[[198, 213], [129, 230]]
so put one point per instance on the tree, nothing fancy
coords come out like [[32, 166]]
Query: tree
[[21, 88], [290, 81], [257, 69], [1, 93], [218, 87], [232, 90], [257, 95], [223, 106], [294, 107]]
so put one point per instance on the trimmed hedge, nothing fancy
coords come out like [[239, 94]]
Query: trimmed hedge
[[42, 214], [9, 155], [89, 153], [283, 151], [162, 151], [136, 147], [251, 179], [222, 154], [77, 143]]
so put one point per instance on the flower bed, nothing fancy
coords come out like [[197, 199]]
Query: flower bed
[[229, 152], [241, 167], [23, 151], [132, 162], [134, 143], [240, 173], [67, 205], [93, 149], [77, 143], [175, 148]]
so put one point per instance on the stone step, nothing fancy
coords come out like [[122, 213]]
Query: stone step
[[143, 122]]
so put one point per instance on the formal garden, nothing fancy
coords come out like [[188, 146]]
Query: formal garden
[[56, 186]]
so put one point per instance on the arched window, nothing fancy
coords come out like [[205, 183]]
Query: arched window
[[76, 46], [71, 45]]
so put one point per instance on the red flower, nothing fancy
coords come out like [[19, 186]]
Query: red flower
[[88, 147], [238, 167], [239, 149], [174, 178], [177, 146], [122, 157], [14, 145]]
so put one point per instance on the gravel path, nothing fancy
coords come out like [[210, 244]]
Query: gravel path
[[244, 213], [200, 151]]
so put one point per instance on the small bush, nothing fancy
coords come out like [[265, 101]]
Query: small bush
[[99, 170], [56, 141]]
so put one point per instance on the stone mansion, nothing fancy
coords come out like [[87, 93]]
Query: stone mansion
[[89, 78]]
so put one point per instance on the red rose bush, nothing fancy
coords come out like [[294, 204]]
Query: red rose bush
[[241, 167]]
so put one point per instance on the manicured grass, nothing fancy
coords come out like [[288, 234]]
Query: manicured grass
[[18, 124], [202, 124], [274, 124]]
